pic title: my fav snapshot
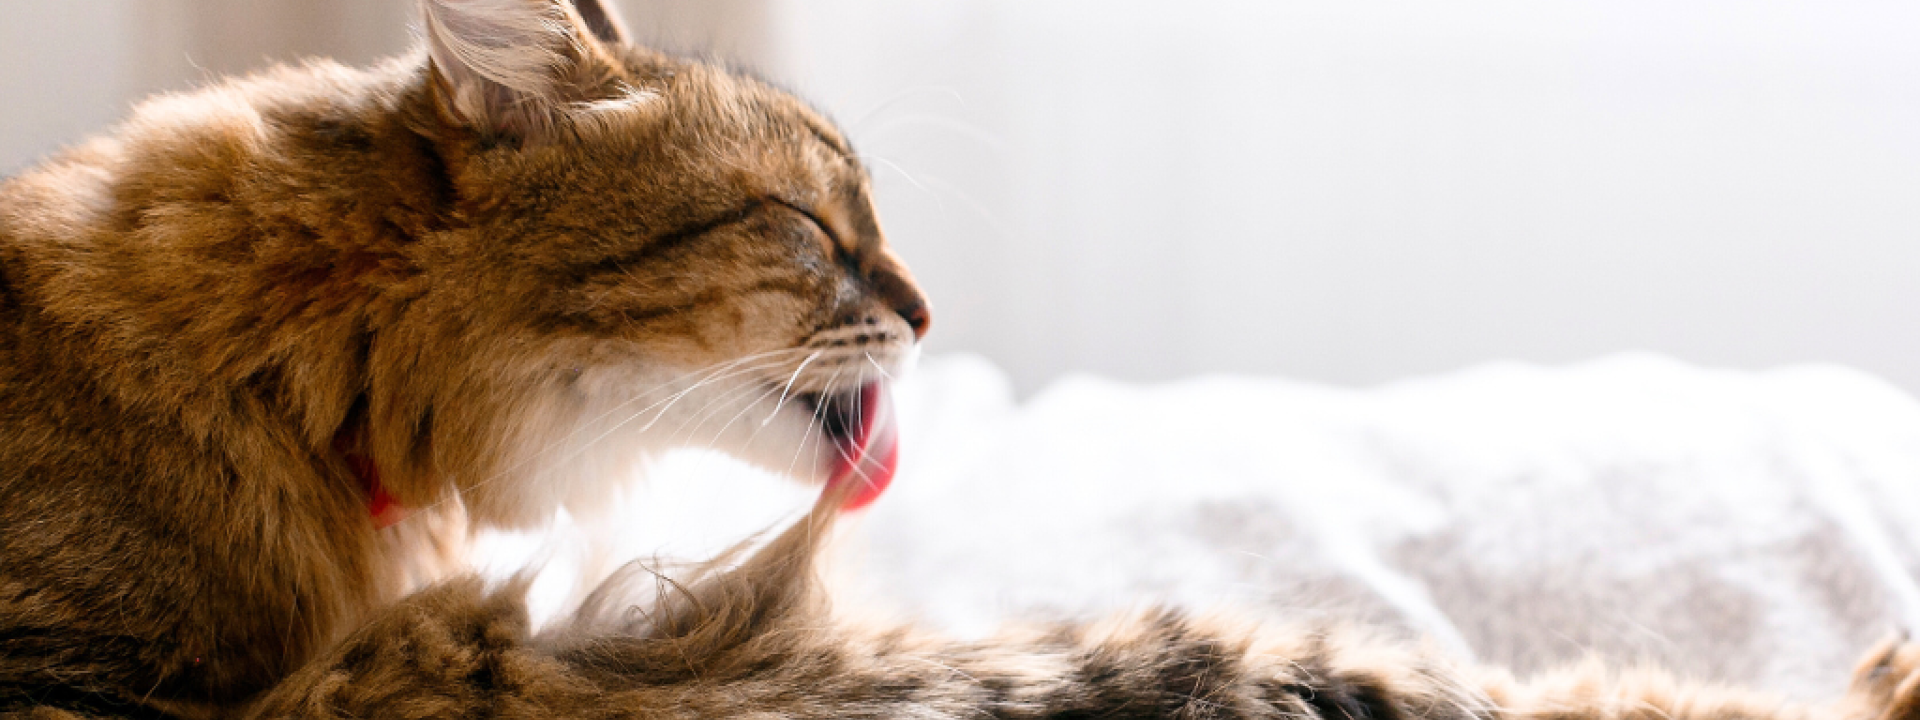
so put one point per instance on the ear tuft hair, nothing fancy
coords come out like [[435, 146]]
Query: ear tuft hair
[[513, 66]]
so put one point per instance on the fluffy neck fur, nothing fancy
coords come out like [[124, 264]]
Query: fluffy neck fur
[[199, 295]]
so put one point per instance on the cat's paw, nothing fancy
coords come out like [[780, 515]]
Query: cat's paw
[[1886, 685]]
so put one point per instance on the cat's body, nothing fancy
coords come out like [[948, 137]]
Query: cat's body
[[242, 334], [163, 497]]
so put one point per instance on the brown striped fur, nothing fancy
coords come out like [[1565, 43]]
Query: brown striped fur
[[471, 265], [759, 640]]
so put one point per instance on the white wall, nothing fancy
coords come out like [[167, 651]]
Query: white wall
[[1347, 191], [1358, 191], [62, 73], [70, 69]]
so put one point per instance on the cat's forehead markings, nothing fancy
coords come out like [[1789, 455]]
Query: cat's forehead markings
[[847, 185], [830, 140]]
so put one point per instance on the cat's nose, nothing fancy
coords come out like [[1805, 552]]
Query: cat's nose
[[918, 318], [895, 287], [901, 296]]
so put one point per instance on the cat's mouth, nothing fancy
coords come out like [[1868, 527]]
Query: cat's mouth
[[864, 436]]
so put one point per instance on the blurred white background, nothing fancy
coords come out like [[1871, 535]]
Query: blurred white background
[[1344, 192]]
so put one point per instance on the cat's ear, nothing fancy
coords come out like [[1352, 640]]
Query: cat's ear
[[517, 67]]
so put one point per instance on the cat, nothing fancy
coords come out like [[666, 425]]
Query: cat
[[270, 349]]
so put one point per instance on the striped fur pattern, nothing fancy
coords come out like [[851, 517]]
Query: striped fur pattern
[[485, 280], [760, 640]]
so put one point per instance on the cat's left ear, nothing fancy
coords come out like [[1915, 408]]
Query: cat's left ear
[[519, 67]]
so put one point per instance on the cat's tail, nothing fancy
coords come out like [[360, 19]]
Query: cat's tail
[[750, 634]]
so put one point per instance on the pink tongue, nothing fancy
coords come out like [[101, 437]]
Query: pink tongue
[[870, 455]]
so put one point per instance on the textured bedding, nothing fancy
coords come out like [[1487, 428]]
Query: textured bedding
[[1753, 527], [1762, 527]]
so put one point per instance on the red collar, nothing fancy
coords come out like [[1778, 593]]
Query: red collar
[[381, 507]]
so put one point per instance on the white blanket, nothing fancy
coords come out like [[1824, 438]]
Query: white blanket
[[1754, 527]]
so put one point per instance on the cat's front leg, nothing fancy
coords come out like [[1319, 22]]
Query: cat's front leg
[[454, 650]]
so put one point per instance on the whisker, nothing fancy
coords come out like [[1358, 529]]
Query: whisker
[[877, 366], [818, 417], [669, 403], [716, 367], [947, 90], [894, 166], [859, 415], [729, 368], [796, 376], [716, 405], [986, 138], [717, 434]]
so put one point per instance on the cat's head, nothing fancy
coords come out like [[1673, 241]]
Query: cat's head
[[644, 252]]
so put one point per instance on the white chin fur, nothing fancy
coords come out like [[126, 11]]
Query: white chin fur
[[592, 437]]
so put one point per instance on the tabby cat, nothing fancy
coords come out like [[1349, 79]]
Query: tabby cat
[[269, 349]]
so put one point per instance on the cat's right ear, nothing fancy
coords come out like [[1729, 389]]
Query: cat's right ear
[[518, 67]]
